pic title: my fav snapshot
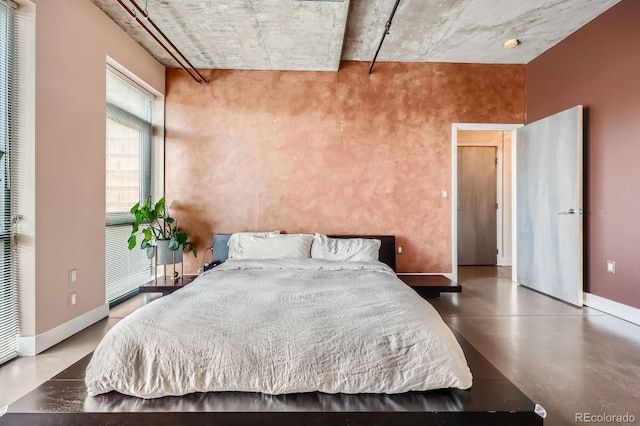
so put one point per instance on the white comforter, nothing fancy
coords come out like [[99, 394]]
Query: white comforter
[[282, 326]]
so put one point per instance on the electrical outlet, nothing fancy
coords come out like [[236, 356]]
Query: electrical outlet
[[611, 266], [72, 299], [399, 249], [73, 276]]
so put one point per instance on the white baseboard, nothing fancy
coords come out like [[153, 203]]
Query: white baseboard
[[503, 261], [620, 310], [33, 345]]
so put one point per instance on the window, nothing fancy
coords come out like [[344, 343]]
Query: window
[[129, 133], [8, 286]]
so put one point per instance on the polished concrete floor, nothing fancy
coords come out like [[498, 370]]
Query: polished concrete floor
[[566, 359], [21, 375]]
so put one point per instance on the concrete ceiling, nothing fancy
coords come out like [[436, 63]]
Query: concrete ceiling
[[318, 34]]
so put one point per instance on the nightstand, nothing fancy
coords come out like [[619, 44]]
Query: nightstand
[[430, 285], [165, 286]]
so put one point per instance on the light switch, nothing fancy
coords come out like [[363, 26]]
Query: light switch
[[611, 266]]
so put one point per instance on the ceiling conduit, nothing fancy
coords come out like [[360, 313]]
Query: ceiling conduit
[[387, 27], [189, 68]]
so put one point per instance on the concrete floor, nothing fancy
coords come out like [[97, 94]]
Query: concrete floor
[[21, 375], [568, 360]]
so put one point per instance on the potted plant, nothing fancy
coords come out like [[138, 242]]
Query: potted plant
[[159, 230]]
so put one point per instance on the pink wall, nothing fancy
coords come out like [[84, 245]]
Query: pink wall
[[331, 152], [598, 66], [72, 41]]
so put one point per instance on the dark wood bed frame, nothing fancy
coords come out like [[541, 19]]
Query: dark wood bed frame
[[492, 400]]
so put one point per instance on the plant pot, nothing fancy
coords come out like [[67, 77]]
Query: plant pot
[[164, 256]]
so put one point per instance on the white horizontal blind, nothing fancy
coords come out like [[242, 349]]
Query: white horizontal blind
[[129, 133], [9, 325], [128, 180], [126, 269]]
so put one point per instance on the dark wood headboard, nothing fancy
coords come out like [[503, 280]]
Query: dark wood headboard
[[386, 255]]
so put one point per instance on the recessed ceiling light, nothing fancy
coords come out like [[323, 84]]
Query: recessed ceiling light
[[510, 44]]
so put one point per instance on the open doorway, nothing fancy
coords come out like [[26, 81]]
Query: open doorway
[[473, 242], [478, 202]]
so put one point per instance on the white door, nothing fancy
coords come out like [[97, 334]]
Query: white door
[[549, 206]]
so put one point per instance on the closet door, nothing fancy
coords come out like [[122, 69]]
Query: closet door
[[477, 233]]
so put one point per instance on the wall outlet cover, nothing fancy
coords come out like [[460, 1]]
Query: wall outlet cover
[[611, 266]]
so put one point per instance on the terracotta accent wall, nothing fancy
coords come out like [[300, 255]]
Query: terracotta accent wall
[[599, 67], [332, 152]]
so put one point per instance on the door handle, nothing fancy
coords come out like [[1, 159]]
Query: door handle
[[571, 211]]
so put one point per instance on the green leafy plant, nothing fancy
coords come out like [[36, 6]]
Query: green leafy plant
[[155, 224]]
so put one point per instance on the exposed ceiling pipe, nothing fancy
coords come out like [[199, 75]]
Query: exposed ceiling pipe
[[190, 69], [146, 16], [387, 27]]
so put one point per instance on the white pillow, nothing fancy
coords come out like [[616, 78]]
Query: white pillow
[[273, 246], [239, 239], [352, 249]]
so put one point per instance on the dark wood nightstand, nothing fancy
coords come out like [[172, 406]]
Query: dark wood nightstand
[[165, 286], [430, 285]]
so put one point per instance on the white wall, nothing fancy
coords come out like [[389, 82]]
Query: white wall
[[65, 221]]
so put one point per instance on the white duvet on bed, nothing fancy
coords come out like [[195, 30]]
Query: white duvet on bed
[[282, 326]]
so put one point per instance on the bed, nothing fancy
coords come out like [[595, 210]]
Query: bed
[[286, 313], [288, 367]]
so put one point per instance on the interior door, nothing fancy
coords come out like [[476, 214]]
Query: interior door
[[549, 205], [477, 233]]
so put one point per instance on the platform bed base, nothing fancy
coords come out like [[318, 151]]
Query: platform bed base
[[493, 400]]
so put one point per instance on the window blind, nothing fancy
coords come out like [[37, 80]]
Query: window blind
[[9, 325], [125, 269], [129, 133]]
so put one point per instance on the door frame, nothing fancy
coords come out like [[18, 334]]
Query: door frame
[[455, 127]]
